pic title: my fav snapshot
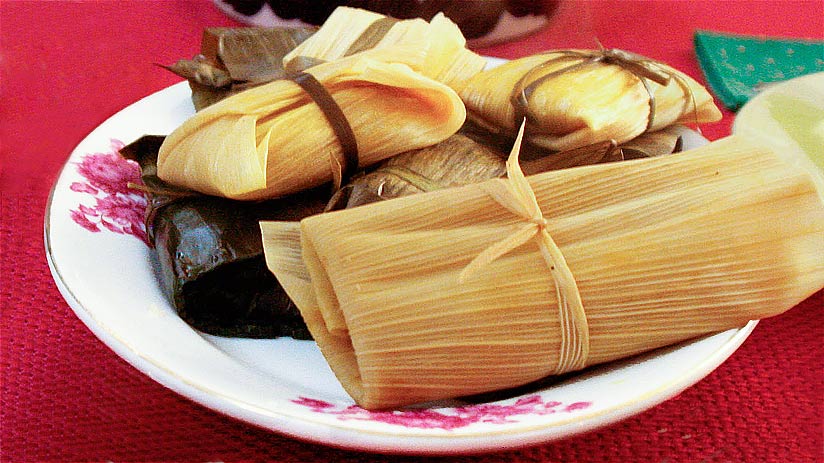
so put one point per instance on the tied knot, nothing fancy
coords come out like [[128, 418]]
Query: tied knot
[[640, 66], [541, 222], [515, 194]]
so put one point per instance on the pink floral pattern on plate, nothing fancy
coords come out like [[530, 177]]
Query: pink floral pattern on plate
[[117, 208], [120, 209], [447, 419]]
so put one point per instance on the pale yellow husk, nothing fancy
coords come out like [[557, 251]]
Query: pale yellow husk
[[662, 250], [447, 59], [273, 140], [585, 106], [789, 116]]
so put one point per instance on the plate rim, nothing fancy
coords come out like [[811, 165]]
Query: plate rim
[[300, 428]]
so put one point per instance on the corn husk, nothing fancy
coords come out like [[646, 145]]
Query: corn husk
[[349, 31], [578, 107], [273, 140], [661, 249]]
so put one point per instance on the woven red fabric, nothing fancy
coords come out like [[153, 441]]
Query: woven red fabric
[[64, 396]]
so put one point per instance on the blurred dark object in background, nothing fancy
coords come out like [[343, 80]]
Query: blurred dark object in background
[[483, 22]]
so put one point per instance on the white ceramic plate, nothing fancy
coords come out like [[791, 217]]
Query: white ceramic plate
[[108, 278]]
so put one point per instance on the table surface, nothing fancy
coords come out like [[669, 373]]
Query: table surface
[[67, 66]]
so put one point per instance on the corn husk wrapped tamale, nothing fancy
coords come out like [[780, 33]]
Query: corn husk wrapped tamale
[[233, 59], [273, 140], [573, 98], [210, 255], [475, 288], [348, 31]]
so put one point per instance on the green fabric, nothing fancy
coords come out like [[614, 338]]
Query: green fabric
[[737, 67]]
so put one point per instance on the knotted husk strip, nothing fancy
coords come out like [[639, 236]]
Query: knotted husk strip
[[584, 104], [515, 195], [662, 249], [349, 31], [273, 140]]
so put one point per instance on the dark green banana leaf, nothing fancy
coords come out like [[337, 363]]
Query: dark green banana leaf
[[210, 254]]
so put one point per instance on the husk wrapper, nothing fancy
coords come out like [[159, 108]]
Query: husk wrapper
[[273, 140], [349, 31], [662, 250], [578, 107]]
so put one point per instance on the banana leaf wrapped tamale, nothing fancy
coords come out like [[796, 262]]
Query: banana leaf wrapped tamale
[[493, 285], [472, 156], [458, 160], [211, 258], [233, 59], [573, 98]]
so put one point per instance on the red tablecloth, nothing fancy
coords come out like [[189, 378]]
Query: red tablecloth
[[67, 66]]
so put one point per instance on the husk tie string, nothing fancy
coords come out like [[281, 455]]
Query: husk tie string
[[642, 68], [515, 194], [344, 169]]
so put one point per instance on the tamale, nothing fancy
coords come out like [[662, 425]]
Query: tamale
[[276, 139], [458, 160], [660, 250], [573, 98], [349, 31], [210, 256], [234, 59], [461, 159]]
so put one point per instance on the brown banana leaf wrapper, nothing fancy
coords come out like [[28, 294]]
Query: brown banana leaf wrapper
[[474, 155], [210, 254], [458, 160], [235, 59], [651, 144]]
